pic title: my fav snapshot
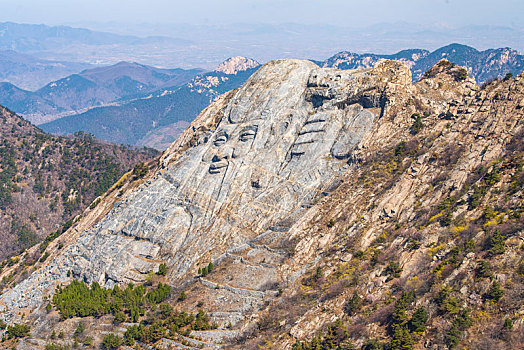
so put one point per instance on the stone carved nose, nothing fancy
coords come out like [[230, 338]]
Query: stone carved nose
[[224, 154]]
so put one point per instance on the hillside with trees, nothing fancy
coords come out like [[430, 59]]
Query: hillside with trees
[[45, 180]]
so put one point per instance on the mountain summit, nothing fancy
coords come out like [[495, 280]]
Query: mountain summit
[[233, 65]]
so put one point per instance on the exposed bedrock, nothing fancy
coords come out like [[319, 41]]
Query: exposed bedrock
[[273, 148]]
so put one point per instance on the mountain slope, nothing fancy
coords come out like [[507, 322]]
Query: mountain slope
[[159, 118], [311, 208], [31, 73], [47, 180], [92, 87]]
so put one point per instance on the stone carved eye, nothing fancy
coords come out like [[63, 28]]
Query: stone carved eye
[[220, 139], [248, 133]]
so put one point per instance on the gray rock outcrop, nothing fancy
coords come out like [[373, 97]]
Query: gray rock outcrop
[[277, 146]]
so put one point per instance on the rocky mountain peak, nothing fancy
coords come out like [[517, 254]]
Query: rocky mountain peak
[[236, 64], [449, 81], [201, 204]]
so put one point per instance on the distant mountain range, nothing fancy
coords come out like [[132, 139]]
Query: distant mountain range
[[92, 87], [205, 46], [40, 37], [64, 43], [31, 73], [157, 119], [482, 65]]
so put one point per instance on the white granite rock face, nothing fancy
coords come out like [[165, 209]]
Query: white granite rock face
[[281, 142]]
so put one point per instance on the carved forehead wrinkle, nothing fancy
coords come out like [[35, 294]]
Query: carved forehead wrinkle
[[237, 117], [246, 109], [253, 127], [254, 120], [221, 132]]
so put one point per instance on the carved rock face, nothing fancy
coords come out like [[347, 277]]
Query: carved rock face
[[282, 140], [230, 143]]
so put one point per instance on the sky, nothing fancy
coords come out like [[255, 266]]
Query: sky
[[347, 13]]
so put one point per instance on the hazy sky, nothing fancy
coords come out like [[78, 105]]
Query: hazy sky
[[352, 13]]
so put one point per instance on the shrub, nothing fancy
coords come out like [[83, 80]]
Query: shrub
[[44, 257], [79, 329], [394, 270], [460, 74], [162, 269], [496, 243], [336, 337], [18, 331], [353, 305], [140, 170], [483, 269], [414, 245], [446, 203], [418, 321], [461, 322], [111, 342], [399, 148], [508, 324], [495, 293], [417, 125], [318, 274]]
